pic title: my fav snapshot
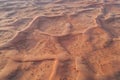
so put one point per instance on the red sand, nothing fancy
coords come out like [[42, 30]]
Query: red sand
[[79, 45]]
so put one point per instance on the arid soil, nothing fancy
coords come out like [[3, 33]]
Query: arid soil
[[60, 40]]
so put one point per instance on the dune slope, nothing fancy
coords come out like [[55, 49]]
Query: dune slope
[[79, 45]]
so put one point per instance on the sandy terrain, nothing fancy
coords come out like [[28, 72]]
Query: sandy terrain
[[60, 40]]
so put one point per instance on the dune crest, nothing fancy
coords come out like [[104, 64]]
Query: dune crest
[[83, 45]]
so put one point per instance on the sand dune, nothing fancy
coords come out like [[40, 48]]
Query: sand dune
[[60, 40]]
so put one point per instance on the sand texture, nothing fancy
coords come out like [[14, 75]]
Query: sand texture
[[60, 40]]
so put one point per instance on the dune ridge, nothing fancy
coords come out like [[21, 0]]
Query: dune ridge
[[83, 45]]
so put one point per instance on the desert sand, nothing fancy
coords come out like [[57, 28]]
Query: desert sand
[[60, 40]]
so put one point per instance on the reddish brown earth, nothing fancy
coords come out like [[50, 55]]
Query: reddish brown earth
[[83, 44]]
